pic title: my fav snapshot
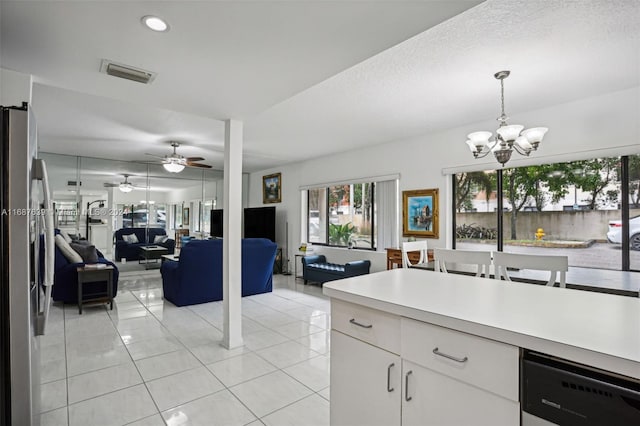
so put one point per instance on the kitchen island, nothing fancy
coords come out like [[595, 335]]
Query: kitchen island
[[463, 336]]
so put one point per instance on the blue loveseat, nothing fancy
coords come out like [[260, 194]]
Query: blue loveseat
[[317, 269], [65, 278], [197, 276], [131, 251]]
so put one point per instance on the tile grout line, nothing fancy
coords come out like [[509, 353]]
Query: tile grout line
[[202, 364]]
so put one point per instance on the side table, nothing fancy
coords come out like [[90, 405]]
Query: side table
[[295, 263], [91, 275]]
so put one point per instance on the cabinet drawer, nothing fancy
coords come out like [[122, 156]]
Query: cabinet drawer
[[370, 325], [481, 362]]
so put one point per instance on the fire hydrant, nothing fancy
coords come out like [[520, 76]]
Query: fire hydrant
[[539, 234]]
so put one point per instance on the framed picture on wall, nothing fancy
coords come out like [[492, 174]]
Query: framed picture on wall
[[272, 188], [420, 213], [185, 215]]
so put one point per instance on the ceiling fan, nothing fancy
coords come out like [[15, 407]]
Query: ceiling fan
[[175, 162], [125, 186]]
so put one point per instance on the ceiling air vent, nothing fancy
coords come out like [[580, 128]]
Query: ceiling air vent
[[73, 183], [127, 72]]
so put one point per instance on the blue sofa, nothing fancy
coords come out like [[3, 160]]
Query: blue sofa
[[65, 278], [316, 268], [197, 276], [125, 250]]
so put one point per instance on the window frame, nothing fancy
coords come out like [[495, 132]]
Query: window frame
[[372, 211], [624, 179]]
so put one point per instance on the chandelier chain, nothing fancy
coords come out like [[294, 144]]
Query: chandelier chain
[[502, 96]]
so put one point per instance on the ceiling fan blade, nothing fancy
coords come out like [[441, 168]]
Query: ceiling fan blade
[[204, 166], [191, 159], [111, 185]]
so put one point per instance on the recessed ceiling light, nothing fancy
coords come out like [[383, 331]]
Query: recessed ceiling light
[[154, 23]]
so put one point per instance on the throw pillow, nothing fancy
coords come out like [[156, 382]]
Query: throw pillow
[[69, 253], [131, 238], [66, 236], [87, 252], [159, 239]]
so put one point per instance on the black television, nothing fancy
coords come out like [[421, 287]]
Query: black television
[[260, 222], [216, 223]]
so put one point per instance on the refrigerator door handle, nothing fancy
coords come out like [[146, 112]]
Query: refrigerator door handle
[[49, 235]]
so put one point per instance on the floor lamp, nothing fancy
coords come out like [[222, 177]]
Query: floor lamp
[[101, 205]]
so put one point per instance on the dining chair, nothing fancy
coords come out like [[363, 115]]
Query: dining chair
[[554, 264], [481, 260], [420, 246]]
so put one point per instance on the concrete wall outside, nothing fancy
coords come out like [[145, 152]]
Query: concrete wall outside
[[557, 225]]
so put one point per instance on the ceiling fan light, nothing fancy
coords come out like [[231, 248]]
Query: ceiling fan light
[[125, 187], [510, 132], [173, 167]]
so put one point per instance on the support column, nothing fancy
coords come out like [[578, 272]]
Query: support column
[[232, 242]]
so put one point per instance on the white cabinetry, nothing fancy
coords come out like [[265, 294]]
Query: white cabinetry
[[432, 398], [365, 383], [391, 370]]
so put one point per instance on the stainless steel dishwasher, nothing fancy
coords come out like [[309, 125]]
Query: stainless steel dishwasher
[[559, 392]]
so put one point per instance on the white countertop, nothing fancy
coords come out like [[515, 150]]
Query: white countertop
[[596, 329]]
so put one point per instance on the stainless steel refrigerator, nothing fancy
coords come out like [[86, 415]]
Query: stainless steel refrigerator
[[25, 289]]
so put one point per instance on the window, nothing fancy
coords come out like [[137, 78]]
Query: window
[[342, 215], [573, 209]]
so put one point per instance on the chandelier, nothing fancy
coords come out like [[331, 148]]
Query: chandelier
[[509, 137]]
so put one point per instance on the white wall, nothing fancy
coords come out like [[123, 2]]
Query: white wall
[[15, 88], [582, 129]]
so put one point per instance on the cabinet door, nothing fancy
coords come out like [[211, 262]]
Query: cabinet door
[[436, 399], [365, 383]]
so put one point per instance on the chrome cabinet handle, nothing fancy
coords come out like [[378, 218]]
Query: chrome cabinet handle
[[354, 322], [389, 388], [406, 386], [456, 359]]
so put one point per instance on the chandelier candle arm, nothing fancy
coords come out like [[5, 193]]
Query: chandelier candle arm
[[509, 137]]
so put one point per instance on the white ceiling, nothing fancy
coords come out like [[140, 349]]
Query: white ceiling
[[308, 78]]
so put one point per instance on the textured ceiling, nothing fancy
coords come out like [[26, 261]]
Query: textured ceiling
[[307, 78]]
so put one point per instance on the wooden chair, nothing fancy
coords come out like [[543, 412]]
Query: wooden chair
[[481, 260], [554, 264], [420, 246]]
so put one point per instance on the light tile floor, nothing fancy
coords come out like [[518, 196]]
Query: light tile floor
[[150, 363]]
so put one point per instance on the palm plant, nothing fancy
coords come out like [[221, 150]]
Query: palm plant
[[341, 234]]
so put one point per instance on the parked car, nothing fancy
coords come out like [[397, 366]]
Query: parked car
[[615, 232]]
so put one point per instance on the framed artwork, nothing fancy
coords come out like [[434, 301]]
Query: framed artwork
[[272, 188], [185, 215], [420, 213]]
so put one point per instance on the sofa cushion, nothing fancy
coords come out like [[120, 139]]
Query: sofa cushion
[[87, 252], [69, 253], [159, 239], [131, 238], [328, 267]]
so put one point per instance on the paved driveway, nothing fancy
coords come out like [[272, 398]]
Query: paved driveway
[[599, 255]]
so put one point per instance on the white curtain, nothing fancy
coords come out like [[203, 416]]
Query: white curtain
[[387, 203]]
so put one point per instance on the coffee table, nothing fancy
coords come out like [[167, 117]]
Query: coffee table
[[149, 253], [170, 258]]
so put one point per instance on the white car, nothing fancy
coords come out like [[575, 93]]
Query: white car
[[615, 232]]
